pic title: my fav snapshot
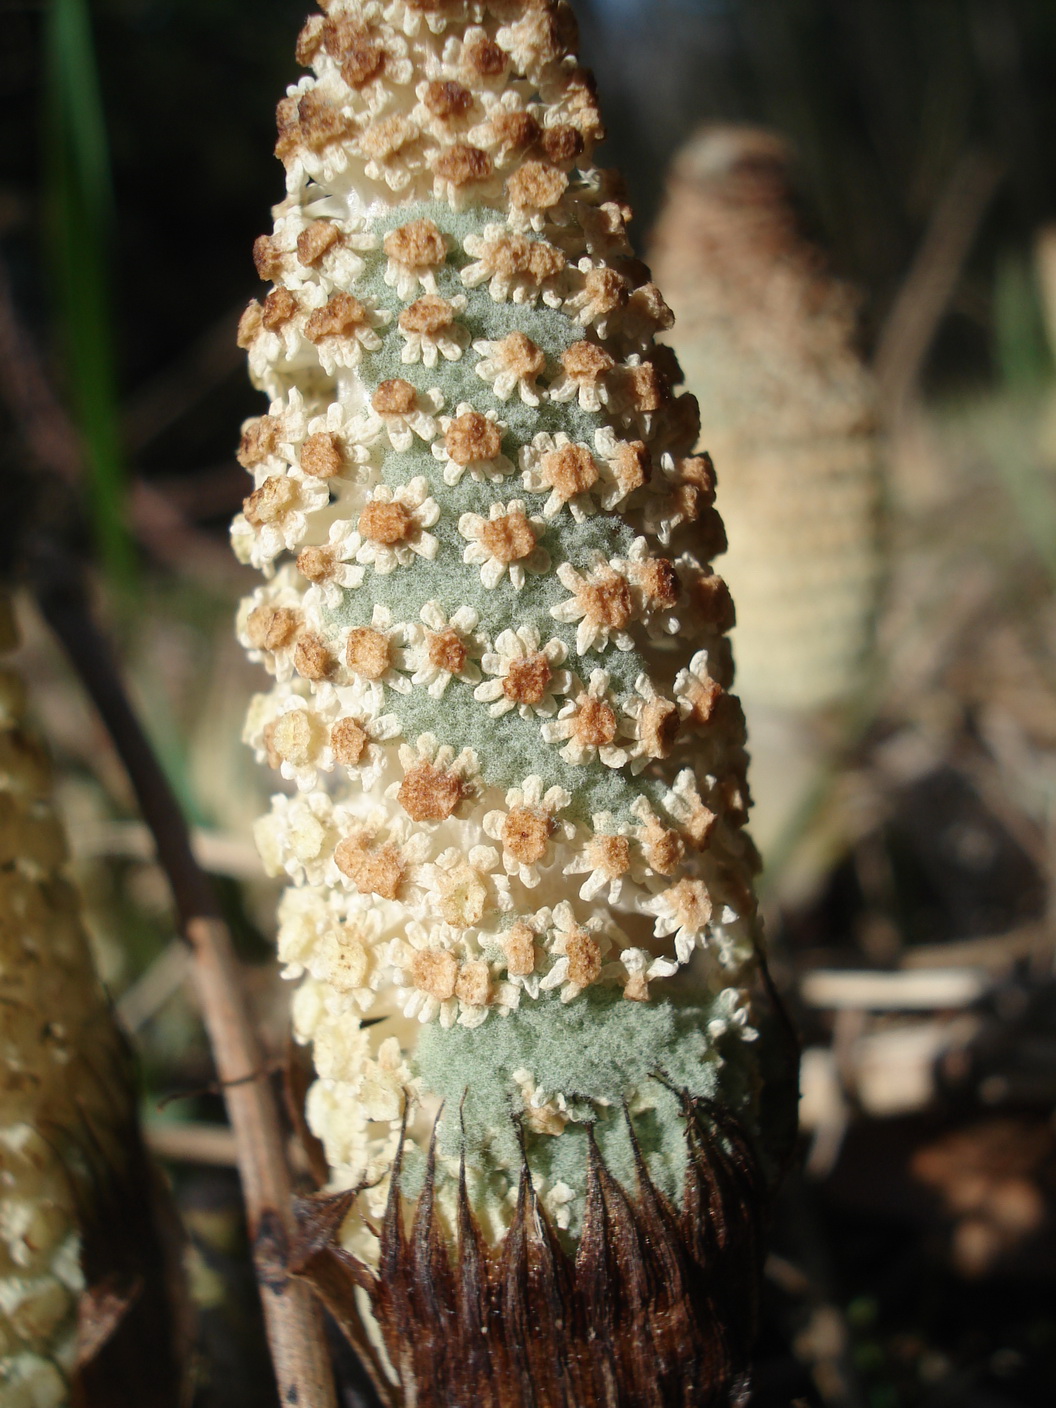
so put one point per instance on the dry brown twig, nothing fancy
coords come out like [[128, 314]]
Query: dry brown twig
[[52, 439], [292, 1319], [932, 279], [160, 403], [218, 852]]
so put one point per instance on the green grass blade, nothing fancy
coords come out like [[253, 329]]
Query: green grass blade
[[1021, 350], [80, 213]]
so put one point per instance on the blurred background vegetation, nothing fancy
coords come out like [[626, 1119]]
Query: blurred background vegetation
[[915, 1256]]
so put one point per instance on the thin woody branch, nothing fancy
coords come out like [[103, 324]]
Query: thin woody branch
[[51, 437]]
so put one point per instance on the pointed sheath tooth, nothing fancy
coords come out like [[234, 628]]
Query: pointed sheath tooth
[[511, 777]]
